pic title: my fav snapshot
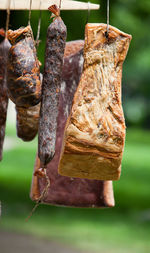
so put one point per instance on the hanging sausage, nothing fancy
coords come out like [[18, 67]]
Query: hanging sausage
[[4, 48], [95, 131], [55, 45], [64, 190], [24, 85]]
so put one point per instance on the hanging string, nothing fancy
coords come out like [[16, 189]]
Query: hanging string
[[88, 13], [14, 4], [107, 18], [60, 4], [37, 42], [42, 196], [8, 16], [29, 19]]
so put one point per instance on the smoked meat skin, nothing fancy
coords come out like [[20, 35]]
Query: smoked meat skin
[[64, 190], [95, 131], [54, 53]]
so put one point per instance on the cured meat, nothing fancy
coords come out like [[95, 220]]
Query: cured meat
[[72, 48], [27, 122], [24, 85], [4, 48], [75, 192], [55, 45], [64, 190], [95, 131]]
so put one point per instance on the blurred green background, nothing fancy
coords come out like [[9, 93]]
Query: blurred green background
[[125, 228]]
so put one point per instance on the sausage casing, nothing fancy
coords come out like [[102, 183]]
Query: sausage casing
[[55, 45]]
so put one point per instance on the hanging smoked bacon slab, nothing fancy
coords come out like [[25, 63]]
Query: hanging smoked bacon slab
[[55, 45], [64, 190], [24, 85], [4, 48], [95, 131]]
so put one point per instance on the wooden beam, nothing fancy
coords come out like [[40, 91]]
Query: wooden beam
[[66, 5]]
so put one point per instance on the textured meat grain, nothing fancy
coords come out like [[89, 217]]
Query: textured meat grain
[[55, 45], [95, 131]]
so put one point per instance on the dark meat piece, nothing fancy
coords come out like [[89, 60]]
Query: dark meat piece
[[27, 122], [64, 190], [24, 85], [55, 45], [4, 48]]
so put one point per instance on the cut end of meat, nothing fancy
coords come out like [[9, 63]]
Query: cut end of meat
[[90, 167], [47, 157]]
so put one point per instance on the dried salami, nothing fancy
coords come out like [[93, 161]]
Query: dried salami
[[55, 45], [4, 48], [24, 85]]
